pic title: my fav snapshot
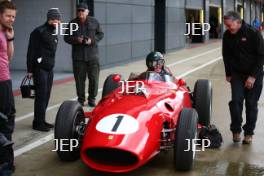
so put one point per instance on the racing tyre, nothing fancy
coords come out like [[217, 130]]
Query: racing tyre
[[202, 97], [68, 120], [186, 132], [109, 85]]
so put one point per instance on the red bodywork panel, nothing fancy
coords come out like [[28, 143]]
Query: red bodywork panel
[[124, 130]]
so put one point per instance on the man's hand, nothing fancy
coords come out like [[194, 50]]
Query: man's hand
[[88, 41], [29, 75], [80, 39], [228, 78], [250, 82], [10, 33]]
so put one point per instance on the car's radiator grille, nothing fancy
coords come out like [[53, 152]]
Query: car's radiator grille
[[111, 157]]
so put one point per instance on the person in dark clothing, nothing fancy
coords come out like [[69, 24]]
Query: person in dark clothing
[[85, 58], [256, 24], [40, 62], [7, 104], [243, 55]]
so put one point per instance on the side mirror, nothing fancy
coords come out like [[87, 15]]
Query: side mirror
[[181, 82], [116, 78]]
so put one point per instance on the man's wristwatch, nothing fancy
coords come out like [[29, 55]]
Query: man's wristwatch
[[11, 39]]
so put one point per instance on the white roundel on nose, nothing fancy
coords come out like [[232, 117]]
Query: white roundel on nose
[[117, 124]]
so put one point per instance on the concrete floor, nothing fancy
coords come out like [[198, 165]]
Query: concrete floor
[[197, 63]]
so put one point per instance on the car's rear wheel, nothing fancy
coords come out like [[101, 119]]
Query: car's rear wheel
[[202, 97], [186, 132], [69, 121], [109, 85]]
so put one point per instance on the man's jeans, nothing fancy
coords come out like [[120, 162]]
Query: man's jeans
[[251, 97], [7, 107], [43, 81]]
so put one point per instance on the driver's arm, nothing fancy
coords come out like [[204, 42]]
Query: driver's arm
[[170, 73], [134, 76], [168, 70]]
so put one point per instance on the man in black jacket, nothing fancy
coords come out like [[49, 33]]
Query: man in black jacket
[[85, 56], [40, 62], [243, 55]]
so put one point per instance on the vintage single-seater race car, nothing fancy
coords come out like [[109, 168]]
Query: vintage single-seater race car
[[134, 121]]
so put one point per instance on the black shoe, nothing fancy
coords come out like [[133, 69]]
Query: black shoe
[[81, 102], [49, 125], [91, 103], [236, 137], [41, 127], [248, 139]]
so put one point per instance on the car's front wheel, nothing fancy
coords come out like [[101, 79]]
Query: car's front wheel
[[69, 122], [185, 135], [202, 96]]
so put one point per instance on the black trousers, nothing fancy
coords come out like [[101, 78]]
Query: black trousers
[[81, 70], [7, 107], [43, 81], [251, 98]]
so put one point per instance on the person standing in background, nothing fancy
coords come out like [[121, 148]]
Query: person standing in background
[[85, 56], [256, 24], [40, 62], [7, 105], [243, 55]]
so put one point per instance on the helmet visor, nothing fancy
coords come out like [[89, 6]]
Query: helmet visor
[[158, 62]]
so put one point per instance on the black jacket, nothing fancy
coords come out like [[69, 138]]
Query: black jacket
[[42, 48], [243, 52], [90, 29]]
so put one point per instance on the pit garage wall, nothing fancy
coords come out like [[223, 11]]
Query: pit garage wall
[[230, 5], [247, 11], [253, 12], [175, 24], [258, 11], [129, 29], [128, 26], [32, 13]]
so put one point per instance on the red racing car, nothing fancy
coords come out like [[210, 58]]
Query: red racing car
[[134, 121]]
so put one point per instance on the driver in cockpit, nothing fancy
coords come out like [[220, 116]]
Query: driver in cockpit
[[155, 63]]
